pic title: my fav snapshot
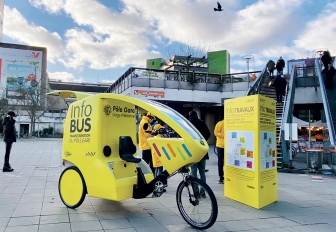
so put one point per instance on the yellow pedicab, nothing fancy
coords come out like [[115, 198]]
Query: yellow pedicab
[[99, 156]]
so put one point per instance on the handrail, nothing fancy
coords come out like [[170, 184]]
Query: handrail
[[288, 116], [131, 70], [255, 88], [211, 78], [283, 111], [325, 104]]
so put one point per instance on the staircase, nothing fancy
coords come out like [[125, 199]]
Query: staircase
[[328, 99], [270, 92], [331, 95]]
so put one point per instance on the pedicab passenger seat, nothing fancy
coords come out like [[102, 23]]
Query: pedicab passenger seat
[[127, 149]]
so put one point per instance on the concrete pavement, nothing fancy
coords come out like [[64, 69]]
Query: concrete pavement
[[29, 201]]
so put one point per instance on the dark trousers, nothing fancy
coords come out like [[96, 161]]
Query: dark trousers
[[220, 153], [278, 95], [147, 157], [7, 154]]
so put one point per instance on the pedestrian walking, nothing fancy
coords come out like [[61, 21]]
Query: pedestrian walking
[[219, 133], [271, 67], [200, 166], [280, 65], [9, 138], [329, 73], [280, 88], [326, 59]]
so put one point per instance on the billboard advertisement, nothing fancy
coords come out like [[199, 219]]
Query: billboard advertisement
[[21, 70]]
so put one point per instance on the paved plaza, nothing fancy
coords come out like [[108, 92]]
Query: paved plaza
[[29, 201]]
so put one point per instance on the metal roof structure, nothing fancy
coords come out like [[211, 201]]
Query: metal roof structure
[[82, 87]]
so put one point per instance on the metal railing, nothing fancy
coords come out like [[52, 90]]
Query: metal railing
[[283, 112], [256, 87], [306, 77], [172, 79], [288, 115], [325, 103]]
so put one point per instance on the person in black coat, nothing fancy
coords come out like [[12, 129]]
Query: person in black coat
[[9, 138], [204, 130], [329, 76], [326, 59], [280, 88], [270, 67], [280, 65]]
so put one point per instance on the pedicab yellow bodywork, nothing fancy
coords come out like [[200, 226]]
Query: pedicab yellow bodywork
[[91, 149]]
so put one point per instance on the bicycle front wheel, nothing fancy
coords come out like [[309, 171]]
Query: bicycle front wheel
[[196, 203]]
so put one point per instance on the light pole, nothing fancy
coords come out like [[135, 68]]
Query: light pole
[[247, 58], [319, 52]]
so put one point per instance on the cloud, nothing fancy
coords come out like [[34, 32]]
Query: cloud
[[259, 25], [83, 49], [248, 30], [321, 32], [55, 7], [106, 38], [316, 34], [106, 81], [112, 40], [232, 70], [18, 28], [62, 76]]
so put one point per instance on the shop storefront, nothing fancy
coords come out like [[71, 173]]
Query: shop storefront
[[312, 128], [312, 135]]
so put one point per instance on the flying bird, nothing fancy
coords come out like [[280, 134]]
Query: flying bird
[[219, 7]]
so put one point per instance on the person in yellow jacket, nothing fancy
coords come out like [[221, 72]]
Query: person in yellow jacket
[[157, 164], [219, 133], [144, 132]]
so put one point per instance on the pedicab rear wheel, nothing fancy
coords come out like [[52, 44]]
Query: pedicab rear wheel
[[197, 203], [71, 187]]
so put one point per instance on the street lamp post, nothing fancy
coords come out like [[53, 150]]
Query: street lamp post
[[319, 52], [247, 58]]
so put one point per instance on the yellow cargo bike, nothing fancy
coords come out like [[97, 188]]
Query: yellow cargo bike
[[100, 158]]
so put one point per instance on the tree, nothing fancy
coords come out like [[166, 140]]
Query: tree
[[186, 57], [35, 101], [4, 107]]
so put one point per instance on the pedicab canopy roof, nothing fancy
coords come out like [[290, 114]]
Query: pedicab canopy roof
[[175, 120], [69, 94]]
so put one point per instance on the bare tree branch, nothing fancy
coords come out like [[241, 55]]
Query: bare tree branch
[[34, 101], [4, 107]]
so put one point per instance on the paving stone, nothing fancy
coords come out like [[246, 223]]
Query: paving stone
[[86, 226], [55, 227], [29, 201], [24, 221]]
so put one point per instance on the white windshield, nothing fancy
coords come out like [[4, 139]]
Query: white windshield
[[178, 118]]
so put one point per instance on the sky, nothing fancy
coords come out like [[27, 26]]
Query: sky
[[98, 40]]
